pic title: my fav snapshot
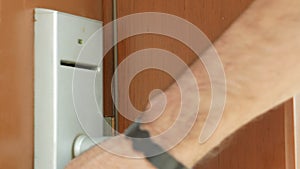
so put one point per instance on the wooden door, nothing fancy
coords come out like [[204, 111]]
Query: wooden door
[[261, 144]]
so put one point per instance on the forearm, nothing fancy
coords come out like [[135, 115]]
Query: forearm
[[260, 55]]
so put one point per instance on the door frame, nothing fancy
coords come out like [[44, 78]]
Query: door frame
[[296, 107]]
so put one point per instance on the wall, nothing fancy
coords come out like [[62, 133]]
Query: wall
[[16, 74]]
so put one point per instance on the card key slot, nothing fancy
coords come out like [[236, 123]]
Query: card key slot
[[78, 65]]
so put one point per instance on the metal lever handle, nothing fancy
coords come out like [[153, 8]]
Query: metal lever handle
[[82, 143]]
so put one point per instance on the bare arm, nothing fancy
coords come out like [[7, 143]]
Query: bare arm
[[260, 54]]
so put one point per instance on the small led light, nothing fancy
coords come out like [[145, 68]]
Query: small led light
[[80, 41]]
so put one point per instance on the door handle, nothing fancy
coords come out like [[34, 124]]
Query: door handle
[[82, 143]]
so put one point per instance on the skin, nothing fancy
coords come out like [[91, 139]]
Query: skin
[[260, 54]]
